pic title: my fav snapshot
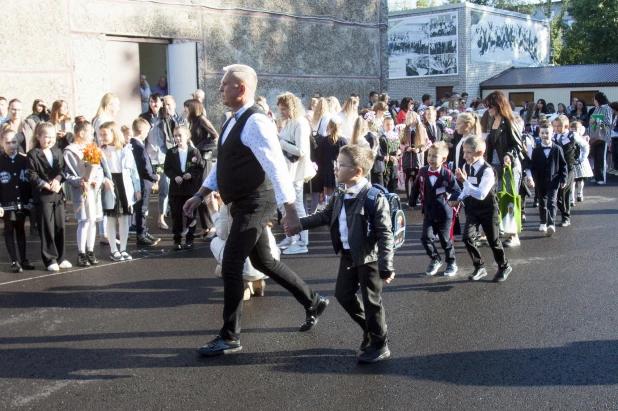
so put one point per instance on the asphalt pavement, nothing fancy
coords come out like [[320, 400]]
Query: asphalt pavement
[[123, 336]]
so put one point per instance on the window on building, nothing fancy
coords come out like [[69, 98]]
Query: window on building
[[587, 96], [519, 98]]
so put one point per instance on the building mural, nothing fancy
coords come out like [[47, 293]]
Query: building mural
[[497, 38], [423, 45]]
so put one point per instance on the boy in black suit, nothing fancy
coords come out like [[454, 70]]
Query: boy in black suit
[[481, 203], [548, 172], [184, 166], [147, 177], [434, 183]]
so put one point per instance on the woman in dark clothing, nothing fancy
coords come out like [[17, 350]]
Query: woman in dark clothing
[[205, 138], [581, 113], [328, 151], [541, 108], [40, 113], [504, 144]]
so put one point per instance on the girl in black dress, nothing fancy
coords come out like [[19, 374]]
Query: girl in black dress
[[327, 154]]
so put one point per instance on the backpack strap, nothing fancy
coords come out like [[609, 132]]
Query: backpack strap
[[371, 200]]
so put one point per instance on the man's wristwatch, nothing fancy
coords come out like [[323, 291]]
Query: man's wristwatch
[[198, 195]]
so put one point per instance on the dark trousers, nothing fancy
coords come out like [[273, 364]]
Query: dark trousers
[[490, 221], [248, 238], [377, 178], [176, 204], [51, 223], [17, 227], [564, 198], [598, 152], [615, 152], [443, 230], [141, 208], [367, 312], [390, 178], [202, 210], [410, 175], [547, 204]]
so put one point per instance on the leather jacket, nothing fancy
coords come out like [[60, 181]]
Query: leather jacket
[[508, 142], [377, 247]]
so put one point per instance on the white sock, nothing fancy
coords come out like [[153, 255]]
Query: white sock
[[92, 236], [110, 227], [123, 224], [82, 235]]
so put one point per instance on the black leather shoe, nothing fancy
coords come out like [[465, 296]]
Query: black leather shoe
[[478, 273], [366, 342], [373, 354], [16, 267], [219, 346], [25, 264], [177, 247], [92, 259], [82, 260], [313, 314], [153, 238], [503, 273], [189, 246], [143, 240]]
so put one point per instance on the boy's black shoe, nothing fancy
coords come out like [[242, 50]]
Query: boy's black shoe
[[143, 240], [314, 313], [219, 346], [92, 259], [434, 266], [503, 273], [535, 204], [25, 264], [82, 260], [373, 354], [177, 247], [189, 246], [478, 273], [366, 342], [16, 267], [132, 229], [34, 231], [579, 199]]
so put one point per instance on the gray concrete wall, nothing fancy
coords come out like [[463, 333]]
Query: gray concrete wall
[[333, 46]]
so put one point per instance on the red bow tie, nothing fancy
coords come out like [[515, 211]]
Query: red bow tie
[[433, 173]]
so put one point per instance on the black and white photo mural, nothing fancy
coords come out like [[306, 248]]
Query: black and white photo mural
[[423, 45], [498, 38]]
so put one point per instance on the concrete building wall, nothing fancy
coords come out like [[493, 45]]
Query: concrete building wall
[[333, 46], [470, 74]]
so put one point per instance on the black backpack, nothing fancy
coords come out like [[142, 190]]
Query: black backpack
[[398, 218]]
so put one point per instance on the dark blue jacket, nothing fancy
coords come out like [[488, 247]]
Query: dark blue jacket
[[435, 202]]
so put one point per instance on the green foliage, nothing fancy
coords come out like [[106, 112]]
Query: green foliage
[[557, 28], [425, 3], [591, 38]]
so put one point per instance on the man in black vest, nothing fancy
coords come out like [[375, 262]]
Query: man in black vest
[[251, 175]]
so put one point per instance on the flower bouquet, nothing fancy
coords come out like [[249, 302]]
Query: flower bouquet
[[92, 160], [392, 141], [370, 117]]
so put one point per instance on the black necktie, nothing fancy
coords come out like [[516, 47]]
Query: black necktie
[[471, 171]]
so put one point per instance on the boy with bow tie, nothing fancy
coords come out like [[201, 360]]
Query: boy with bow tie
[[434, 183], [366, 260], [548, 172]]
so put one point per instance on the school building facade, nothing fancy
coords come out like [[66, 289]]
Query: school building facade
[[78, 50]]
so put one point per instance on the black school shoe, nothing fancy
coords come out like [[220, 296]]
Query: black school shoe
[[478, 273], [314, 313], [374, 354], [25, 264], [177, 247], [189, 245], [92, 259], [16, 268], [503, 273], [82, 260], [219, 346]]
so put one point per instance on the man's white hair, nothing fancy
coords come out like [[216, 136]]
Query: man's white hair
[[244, 73]]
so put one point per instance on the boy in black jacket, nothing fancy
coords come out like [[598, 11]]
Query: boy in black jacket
[[548, 172], [147, 177], [15, 194], [434, 183], [184, 167], [366, 261]]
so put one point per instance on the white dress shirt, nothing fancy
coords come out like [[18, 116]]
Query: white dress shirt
[[182, 155], [487, 182], [49, 156], [343, 224], [260, 135]]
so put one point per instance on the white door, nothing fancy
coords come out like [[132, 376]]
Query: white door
[[123, 64], [182, 72]]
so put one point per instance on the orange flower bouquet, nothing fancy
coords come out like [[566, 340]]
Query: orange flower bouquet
[[92, 160]]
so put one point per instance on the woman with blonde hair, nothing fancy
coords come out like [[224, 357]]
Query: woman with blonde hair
[[321, 116], [61, 119], [313, 103], [294, 140], [468, 125], [333, 103], [348, 115], [107, 111], [359, 131], [413, 146]]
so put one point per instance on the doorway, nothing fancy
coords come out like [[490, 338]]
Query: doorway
[[129, 57], [440, 92]]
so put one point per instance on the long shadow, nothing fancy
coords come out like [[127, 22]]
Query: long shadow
[[584, 363]]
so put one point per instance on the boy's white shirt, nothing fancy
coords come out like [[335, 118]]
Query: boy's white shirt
[[343, 225], [487, 182]]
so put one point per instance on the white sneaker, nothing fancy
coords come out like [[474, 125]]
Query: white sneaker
[[601, 183], [53, 267], [551, 230], [65, 264], [511, 242], [296, 248], [286, 242], [543, 228]]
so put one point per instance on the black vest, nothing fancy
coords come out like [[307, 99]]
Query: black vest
[[569, 149], [490, 203], [435, 206], [239, 173]]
